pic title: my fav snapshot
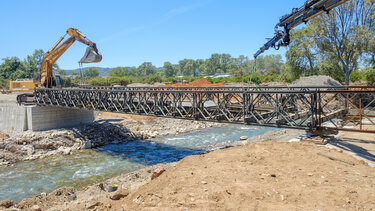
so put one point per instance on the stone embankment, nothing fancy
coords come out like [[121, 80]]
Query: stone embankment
[[30, 145], [33, 145]]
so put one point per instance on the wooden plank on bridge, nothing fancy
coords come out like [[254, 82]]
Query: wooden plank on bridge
[[332, 115]]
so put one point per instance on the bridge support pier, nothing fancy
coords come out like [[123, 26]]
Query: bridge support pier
[[48, 117], [38, 118]]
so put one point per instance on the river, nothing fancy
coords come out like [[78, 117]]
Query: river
[[27, 179]]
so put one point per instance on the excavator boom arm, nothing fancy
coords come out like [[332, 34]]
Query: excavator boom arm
[[92, 55]]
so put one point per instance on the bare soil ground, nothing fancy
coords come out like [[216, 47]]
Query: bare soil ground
[[260, 176], [360, 145]]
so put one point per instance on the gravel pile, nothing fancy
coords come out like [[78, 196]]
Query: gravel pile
[[316, 80]]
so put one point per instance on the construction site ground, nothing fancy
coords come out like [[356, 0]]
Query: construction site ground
[[273, 174]]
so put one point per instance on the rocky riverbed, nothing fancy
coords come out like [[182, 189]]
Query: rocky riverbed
[[34, 145]]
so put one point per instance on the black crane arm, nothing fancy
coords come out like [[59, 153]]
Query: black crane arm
[[309, 10]]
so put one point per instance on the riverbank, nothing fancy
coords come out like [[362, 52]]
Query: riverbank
[[109, 128], [131, 181], [268, 175]]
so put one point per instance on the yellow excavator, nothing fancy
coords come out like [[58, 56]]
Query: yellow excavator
[[47, 79]]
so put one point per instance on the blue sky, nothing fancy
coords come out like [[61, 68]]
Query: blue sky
[[128, 33]]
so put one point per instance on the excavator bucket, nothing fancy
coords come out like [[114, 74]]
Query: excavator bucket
[[92, 55]]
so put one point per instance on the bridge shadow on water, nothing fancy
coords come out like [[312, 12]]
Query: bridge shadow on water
[[148, 152], [109, 120]]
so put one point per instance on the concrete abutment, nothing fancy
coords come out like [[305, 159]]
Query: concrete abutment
[[15, 118]]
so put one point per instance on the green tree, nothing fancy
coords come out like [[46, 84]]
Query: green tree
[[118, 72], [133, 71], [13, 68], [168, 70], [34, 61], [187, 67], [146, 69], [327, 67], [342, 36], [4, 83], [91, 72], [369, 75], [198, 70], [244, 65], [270, 64]]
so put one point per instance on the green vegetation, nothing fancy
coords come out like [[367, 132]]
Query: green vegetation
[[369, 75], [91, 72], [124, 80], [4, 83]]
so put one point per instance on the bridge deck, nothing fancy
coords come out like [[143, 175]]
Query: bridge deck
[[288, 107]]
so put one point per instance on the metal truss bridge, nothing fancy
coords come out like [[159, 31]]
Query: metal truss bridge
[[311, 108]]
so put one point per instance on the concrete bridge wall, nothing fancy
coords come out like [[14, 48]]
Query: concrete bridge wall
[[14, 118]]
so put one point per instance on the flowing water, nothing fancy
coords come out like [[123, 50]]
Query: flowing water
[[27, 179]]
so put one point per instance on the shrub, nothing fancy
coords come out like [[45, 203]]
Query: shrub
[[4, 83], [355, 76], [123, 81], [153, 79], [369, 75], [68, 82], [98, 81]]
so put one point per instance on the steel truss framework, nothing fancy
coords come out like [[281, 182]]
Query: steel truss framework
[[311, 108]]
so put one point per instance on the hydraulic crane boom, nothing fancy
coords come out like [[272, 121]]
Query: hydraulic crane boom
[[46, 72], [309, 10]]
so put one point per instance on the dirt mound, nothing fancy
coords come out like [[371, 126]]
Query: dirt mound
[[264, 176], [316, 80], [61, 195], [202, 82]]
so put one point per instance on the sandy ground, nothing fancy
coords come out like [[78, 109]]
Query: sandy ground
[[265, 175], [260, 176], [360, 145]]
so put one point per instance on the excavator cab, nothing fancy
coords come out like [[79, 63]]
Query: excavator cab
[[57, 79]]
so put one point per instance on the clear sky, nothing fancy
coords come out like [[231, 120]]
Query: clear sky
[[128, 33]]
